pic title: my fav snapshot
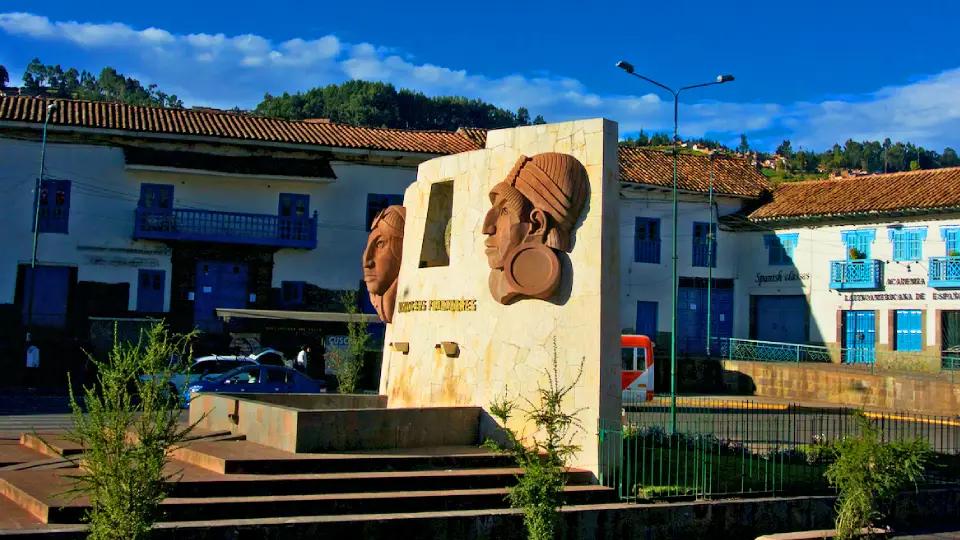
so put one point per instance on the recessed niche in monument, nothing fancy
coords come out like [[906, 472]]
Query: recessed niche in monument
[[436, 237]]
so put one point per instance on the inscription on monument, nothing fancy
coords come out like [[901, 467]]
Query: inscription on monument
[[437, 305]]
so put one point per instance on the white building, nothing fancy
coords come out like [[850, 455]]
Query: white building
[[174, 213]]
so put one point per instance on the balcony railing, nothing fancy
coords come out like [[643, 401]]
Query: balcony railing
[[859, 274], [944, 272], [225, 227]]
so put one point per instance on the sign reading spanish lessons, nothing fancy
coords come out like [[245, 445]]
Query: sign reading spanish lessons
[[780, 277]]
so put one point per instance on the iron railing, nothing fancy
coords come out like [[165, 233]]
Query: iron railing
[[944, 272], [751, 350], [228, 227], [857, 274], [748, 448]]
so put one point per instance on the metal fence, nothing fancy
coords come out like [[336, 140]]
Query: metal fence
[[944, 367], [747, 447]]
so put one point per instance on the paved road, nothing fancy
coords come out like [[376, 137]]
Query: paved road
[[26, 413]]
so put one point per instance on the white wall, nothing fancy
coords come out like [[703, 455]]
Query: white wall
[[104, 197], [817, 246], [651, 282]]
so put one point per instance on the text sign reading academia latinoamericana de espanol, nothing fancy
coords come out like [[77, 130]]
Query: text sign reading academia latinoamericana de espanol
[[437, 305]]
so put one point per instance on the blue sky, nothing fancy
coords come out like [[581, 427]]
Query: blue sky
[[815, 72]]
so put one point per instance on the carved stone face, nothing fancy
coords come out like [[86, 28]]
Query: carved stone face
[[381, 259], [531, 218], [504, 225]]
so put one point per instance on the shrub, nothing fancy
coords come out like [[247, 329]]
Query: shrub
[[869, 473], [539, 490], [347, 365], [129, 429]]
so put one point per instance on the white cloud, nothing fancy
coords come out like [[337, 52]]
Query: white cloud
[[218, 69]]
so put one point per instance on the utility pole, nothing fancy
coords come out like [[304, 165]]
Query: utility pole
[[36, 215], [710, 240]]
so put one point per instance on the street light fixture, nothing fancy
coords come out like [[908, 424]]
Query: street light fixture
[[628, 67], [36, 214]]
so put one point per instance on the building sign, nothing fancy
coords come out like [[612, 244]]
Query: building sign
[[882, 297], [780, 277], [946, 296], [437, 305], [907, 281], [160, 250], [331, 343], [131, 262]]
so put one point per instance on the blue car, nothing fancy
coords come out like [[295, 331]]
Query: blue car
[[256, 379]]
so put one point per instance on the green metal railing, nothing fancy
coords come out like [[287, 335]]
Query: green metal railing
[[747, 448], [942, 367]]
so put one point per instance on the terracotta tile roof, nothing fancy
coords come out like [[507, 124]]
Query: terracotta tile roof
[[187, 122], [905, 191], [477, 135], [731, 175]]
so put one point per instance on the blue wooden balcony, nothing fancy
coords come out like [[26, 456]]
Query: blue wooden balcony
[[856, 275], [944, 272], [225, 227]]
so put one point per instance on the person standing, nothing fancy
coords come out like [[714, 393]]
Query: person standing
[[33, 364], [303, 359]]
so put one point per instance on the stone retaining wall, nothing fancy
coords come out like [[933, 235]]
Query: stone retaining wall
[[843, 386]]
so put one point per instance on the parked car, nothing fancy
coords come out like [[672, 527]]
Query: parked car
[[219, 364], [256, 379]]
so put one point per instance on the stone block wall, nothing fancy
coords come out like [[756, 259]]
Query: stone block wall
[[844, 386]]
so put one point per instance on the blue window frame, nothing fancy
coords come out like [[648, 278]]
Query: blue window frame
[[53, 208], [292, 293], [151, 290], [951, 237], [781, 248], [376, 203], [909, 329], [294, 205], [908, 243], [860, 240], [646, 241], [156, 196], [704, 244]]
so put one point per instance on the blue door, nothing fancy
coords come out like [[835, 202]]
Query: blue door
[[50, 292], [647, 319], [219, 285], [781, 319], [692, 318], [151, 288], [858, 337], [294, 212], [909, 329]]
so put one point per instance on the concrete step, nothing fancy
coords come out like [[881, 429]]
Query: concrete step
[[244, 457], [274, 506], [50, 446], [200, 483]]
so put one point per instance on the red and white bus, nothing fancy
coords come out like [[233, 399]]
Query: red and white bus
[[636, 353]]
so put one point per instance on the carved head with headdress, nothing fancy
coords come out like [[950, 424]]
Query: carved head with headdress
[[382, 257], [534, 211]]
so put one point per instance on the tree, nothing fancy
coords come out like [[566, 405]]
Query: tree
[[109, 86], [539, 120], [376, 104], [744, 145], [785, 150], [4, 77], [642, 139], [949, 158], [523, 116]]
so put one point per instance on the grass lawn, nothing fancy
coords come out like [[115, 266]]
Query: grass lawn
[[778, 177]]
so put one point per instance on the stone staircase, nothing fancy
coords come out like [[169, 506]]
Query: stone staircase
[[223, 478]]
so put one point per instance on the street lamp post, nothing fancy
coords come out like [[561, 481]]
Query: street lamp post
[[628, 67], [36, 215]]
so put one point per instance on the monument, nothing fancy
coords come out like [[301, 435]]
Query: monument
[[506, 251]]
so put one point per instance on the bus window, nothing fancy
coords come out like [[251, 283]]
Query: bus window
[[628, 358], [641, 359]]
